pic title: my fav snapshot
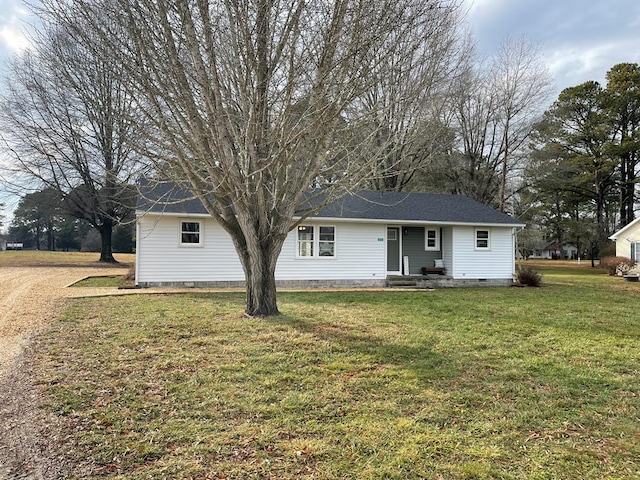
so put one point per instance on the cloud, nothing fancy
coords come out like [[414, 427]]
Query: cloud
[[12, 25], [13, 38], [573, 65], [579, 40]]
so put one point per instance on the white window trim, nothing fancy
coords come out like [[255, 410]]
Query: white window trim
[[200, 243], [426, 239], [475, 239], [316, 242]]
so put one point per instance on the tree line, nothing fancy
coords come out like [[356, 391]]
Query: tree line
[[580, 183], [250, 106], [42, 222]]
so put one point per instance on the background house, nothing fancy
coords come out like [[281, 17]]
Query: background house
[[555, 250]]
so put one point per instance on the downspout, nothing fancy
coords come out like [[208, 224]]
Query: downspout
[[515, 250], [137, 263]]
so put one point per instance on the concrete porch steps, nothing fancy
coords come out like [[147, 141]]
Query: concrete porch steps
[[397, 282], [414, 281]]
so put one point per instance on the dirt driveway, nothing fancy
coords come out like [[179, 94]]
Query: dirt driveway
[[30, 298]]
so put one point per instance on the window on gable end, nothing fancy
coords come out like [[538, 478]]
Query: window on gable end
[[483, 239], [191, 233]]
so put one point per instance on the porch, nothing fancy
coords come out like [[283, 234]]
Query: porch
[[418, 251]]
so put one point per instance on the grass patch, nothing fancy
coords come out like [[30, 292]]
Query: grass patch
[[36, 258], [486, 383], [101, 281]]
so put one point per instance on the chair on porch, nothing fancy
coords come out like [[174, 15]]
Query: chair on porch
[[438, 268]]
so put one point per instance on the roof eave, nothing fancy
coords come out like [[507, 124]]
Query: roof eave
[[624, 229], [354, 220], [140, 213]]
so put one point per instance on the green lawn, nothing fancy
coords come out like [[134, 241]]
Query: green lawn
[[39, 258], [491, 383]]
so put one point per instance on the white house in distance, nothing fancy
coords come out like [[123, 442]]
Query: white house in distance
[[551, 251], [628, 241], [361, 240]]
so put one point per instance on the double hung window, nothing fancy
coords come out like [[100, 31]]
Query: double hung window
[[431, 239], [483, 239], [191, 233]]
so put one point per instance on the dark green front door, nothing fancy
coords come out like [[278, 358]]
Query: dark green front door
[[393, 249]]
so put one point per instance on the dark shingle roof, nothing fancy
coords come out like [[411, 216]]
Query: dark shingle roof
[[166, 197], [425, 207], [364, 205]]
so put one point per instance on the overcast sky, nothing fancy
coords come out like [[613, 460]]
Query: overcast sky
[[580, 39]]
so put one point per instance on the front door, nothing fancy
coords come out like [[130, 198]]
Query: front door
[[393, 250]]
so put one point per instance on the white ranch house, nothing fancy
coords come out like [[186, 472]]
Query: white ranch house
[[361, 240]]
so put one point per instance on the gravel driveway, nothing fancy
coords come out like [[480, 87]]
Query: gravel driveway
[[30, 298]]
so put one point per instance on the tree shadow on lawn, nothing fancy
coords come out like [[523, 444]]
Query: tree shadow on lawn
[[371, 350]]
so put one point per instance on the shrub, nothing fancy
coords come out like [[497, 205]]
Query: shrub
[[529, 277], [617, 265]]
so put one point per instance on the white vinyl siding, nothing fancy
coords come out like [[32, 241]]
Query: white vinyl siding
[[625, 243], [160, 257], [360, 252], [470, 262]]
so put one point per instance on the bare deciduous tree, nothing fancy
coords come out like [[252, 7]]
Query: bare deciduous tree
[[410, 132], [68, 123], [495, 106], [252, 102]]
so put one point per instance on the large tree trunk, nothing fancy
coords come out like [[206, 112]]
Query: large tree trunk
[[106, 251], [261, 286], [627, 189], [259, 263], [258, 242], [50, 237]]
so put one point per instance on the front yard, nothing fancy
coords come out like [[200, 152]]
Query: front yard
[[500, 383]]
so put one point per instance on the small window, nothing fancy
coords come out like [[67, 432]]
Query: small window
[[191, 233], [482, 239], [327, 243], [431, 239], [392, 234], [305, 241]]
